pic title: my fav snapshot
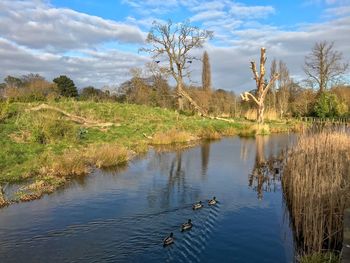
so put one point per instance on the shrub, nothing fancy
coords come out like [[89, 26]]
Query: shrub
[[328, 106]]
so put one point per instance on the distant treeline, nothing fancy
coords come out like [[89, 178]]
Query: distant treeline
[[287, 99]]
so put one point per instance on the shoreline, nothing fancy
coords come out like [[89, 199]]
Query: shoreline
[[62, 159]]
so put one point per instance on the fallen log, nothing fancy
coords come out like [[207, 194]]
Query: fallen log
[[75, 118]]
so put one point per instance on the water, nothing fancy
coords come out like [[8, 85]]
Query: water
[[123, 215]]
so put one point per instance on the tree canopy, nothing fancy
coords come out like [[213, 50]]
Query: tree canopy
[[66, 86]]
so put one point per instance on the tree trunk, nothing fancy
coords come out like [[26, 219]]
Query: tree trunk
[[260, 113], [179, 90]]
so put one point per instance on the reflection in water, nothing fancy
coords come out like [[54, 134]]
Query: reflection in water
[[174, 170], [205, 152], [266, 174]]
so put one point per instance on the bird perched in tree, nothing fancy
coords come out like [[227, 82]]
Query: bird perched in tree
[[157, 61], [190, 61]]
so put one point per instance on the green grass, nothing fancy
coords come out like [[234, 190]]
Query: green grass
[[30, 140]]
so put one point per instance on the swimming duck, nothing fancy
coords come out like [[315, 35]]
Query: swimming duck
[[186, 226], [197, 205], [168, 240], [212, 201]]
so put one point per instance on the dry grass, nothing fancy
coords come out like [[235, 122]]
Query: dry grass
[[256, 129], [3, 201], [210, 134], [316, 183], [230, 131], [43, 185], [261, 129], [107, 155], [70, 163], [172, 136], [271, 115]]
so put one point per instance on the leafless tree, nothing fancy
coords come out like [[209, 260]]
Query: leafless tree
[[283, 88], [174, 42], [273, 71], [262, 86], [323, 65], [206, 72]]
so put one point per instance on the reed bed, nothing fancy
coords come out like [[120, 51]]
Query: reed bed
[[316, 184]]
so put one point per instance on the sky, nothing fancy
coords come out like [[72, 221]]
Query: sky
[[97, 42]]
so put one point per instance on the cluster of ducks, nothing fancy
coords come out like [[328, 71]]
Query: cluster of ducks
[[188, 225]]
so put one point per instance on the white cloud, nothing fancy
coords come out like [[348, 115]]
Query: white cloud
[[338, 11], [208, 15], [34, 36], [240, 10], [40, 26], [230, 65], [98, 68]]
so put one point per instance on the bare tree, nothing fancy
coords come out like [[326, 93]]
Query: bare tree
[[283, 92], [261, 85], [206, 72], [323, 65], [174, 42], [273, 71]]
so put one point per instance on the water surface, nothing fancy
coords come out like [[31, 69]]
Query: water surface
[[123, 215]]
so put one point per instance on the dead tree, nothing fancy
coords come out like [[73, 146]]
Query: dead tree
[[261, 85], [173, 43]]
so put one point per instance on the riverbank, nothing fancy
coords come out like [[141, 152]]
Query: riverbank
[[45, 146]]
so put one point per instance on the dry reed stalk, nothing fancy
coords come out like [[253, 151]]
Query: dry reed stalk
[[316, 184]]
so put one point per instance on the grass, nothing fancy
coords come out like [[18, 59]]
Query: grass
[[43, 143], [107, 155], [316, 184]]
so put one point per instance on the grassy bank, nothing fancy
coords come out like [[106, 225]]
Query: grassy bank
[[46, 147], [316, 186]]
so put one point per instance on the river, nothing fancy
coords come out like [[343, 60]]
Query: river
[[122, 215]]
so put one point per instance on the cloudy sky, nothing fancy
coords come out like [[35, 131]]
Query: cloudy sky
[[96, 42]]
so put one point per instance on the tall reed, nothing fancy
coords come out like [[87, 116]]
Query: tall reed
[[316, 184]]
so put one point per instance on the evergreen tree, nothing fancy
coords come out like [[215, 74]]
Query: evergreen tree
[[206, 72], [66, 86]]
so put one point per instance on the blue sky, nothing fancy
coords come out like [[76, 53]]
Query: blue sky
[[288, 13], [96, 42]]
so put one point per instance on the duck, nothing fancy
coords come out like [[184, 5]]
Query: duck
[[168, 240], [198, 205], [186, 226], [212, 201]]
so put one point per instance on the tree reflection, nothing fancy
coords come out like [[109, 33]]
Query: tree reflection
[[205, 155], [265, 176], [176, 189]]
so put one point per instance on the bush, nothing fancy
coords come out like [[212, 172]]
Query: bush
[[328, 106]]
